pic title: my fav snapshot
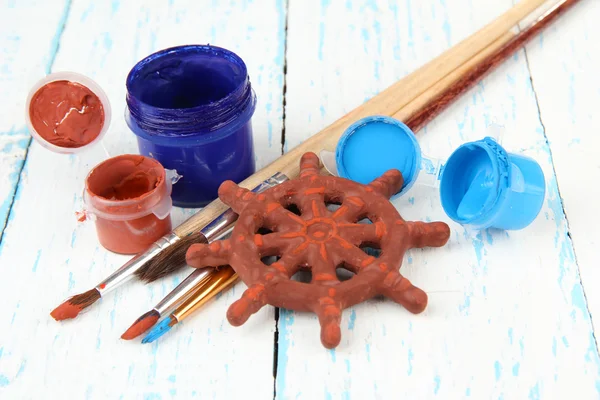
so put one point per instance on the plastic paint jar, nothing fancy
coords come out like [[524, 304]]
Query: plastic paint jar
[[481, 185], [67, 112], [191, 108], [129, 197], [484, 186], [375, 144]]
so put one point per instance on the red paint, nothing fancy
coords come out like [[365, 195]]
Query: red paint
[[66, 114], [140, 326], [102, 286], [123, 192], [65, 311]]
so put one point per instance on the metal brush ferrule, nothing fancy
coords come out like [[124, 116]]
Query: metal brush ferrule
[[215, 230], [183, 291], [128, 270], [223, 224]]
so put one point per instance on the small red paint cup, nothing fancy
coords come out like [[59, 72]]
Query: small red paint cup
[[67, 112], [129, 198]]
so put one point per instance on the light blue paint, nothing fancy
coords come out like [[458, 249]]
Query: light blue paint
[[4, 381], [411, 200], [37, 261], [327, 395], [497, 370], [73, 237], [321, 40], [565, 342], [130, 372], [87, 12], [286, 320], [554, 345], [410, 260], [436, 384], [510, 335], [534, 392], [368, 351], [468, 392], [411, 357], [347, 362], [578, 300], [71, 281], [332, 354], [152, 396], [114, 6], [515, 369], [352, 320], [172, 392], [522, 346], [322, 109], [464, 308]]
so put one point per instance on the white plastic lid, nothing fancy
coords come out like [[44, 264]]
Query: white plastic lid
[[82, 80]]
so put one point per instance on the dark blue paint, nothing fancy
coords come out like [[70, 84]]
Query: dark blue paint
[[191, 108]]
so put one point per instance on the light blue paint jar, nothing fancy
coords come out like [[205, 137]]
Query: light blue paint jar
[[374, 145], [484, 186], [481, 185]]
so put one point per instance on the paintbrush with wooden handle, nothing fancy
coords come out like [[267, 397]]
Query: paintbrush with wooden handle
[[168, 253], [416, 114]]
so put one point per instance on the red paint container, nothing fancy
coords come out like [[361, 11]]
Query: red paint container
[[129, 197]]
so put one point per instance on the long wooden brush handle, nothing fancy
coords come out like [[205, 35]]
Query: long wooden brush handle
[[386, 103], [433, 101]]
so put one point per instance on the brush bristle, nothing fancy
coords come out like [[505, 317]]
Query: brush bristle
[[163, 327], [141, 325], [72, 307], [169, 260]]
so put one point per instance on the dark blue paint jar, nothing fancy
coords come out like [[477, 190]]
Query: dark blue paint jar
[[191, 108]]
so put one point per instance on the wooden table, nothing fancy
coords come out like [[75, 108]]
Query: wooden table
[[510, 313]]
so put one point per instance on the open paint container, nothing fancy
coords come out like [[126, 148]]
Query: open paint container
[[191, 108], [129, 198], [67, 112], [481, 185]]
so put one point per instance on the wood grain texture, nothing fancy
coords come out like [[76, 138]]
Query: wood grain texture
[[25, 54], [502, 321], [85, 358], [564, 63], [508, 315]]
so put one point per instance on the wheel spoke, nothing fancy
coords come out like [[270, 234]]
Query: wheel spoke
[[276, 243], [354, 258], [288, 264], [280, 219], [358, 234], [428, 234], [202, 255], [351, 210], [322, 265], [312, 203], [399, 289]]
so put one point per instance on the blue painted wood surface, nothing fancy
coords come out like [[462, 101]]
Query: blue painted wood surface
[[510, 313]]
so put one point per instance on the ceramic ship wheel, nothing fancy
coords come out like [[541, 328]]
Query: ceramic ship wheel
[[319, 240]]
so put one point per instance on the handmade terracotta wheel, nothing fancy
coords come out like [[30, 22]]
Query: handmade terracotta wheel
[[319, 240]]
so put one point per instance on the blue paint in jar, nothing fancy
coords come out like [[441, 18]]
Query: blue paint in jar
[[191, 108], [373, 145], [484, 186]]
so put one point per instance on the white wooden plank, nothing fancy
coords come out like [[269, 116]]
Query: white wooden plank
[[564, 64], [506, 317], [25, 53], [49, 256]]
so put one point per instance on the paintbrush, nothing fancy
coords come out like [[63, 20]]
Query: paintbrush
[[218, 228], [434, 101], [219, 280], [168, 304]]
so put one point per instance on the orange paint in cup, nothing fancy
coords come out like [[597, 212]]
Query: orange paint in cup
[[129, 197]]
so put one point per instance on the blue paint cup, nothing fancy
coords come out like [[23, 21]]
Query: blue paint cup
[[374, 145], [484, 186], [191, 108], [480, 185]]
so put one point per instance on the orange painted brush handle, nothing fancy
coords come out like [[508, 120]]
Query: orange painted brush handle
[[218, 281]]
